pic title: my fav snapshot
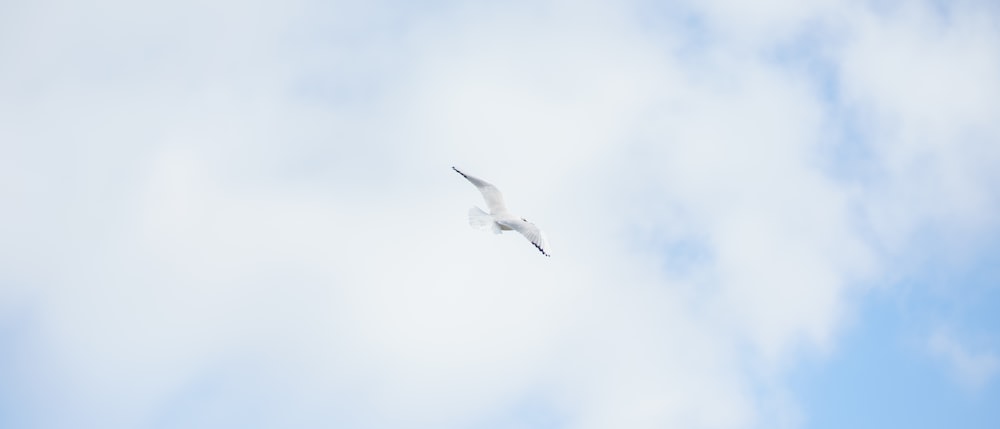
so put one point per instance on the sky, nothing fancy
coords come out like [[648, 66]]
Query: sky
[[242, 214]]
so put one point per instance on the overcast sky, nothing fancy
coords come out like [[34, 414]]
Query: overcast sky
[[242, 214]]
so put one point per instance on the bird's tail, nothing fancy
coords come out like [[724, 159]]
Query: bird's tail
[[479, 219]]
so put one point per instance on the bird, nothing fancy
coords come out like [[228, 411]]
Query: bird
[[499, 219]]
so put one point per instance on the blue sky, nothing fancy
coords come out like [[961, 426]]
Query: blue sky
[[883, 373], [770, 215]]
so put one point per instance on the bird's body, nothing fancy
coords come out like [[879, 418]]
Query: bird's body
[[500, 219]]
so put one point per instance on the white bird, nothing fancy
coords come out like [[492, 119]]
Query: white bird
[[499, 219]]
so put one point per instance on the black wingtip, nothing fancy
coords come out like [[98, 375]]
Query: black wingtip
[[541, 250]]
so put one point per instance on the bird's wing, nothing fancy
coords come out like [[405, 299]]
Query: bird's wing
[[529, 231], [492, 195]]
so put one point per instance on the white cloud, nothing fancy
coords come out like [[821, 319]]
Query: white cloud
[[972, 369], [265, 199], [927, 86]]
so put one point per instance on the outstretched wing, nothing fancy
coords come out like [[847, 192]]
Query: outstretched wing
[[529, 231], [492, 195]]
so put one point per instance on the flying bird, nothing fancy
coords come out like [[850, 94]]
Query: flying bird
[[499, 219]]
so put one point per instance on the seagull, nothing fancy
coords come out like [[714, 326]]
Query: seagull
[[499, 219]]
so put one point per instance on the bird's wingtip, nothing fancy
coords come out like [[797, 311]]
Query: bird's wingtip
[[540, 249]]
